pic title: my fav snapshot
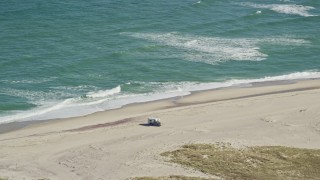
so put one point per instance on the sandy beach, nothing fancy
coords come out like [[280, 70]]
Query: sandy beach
[[116, 144]]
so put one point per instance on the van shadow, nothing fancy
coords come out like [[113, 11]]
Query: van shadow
[[147, 125]]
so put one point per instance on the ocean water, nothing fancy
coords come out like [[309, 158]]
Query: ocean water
[[66, 58]]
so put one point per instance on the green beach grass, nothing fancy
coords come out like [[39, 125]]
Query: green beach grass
[[260, 162]]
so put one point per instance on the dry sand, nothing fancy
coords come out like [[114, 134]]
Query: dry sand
[[116, 144]]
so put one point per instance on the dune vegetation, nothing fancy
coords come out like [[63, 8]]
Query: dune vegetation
[[259, 162]]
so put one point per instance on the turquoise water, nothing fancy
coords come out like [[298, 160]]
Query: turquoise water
[[71, 58]]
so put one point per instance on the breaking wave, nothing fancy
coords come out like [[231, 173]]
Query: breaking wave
[[104, 93]]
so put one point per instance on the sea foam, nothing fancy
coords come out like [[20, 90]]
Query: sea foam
[[212, 50], [283, 8], [198, 2], [104, 93]]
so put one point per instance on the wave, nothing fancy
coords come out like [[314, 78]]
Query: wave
[[51, 108], [195, 3], [212, 50], [208, 50], [27, 81], [191, 86], [104, 93], [284, 8], [115, 98]]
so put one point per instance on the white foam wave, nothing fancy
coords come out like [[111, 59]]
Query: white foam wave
[[104, 93], [190, 87], [28, 81], [284, 8], [209, 50], [39, 113], [198, 2], [36, 97], [294, 76], [285, 41], [212, 50], [50, 108], [78, 106], [74, 88]]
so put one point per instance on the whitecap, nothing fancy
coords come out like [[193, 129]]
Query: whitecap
[[283, 8], [198, 2], [104, 93]]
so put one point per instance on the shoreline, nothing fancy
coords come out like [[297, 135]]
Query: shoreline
[[17, 125], [118, 141]]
